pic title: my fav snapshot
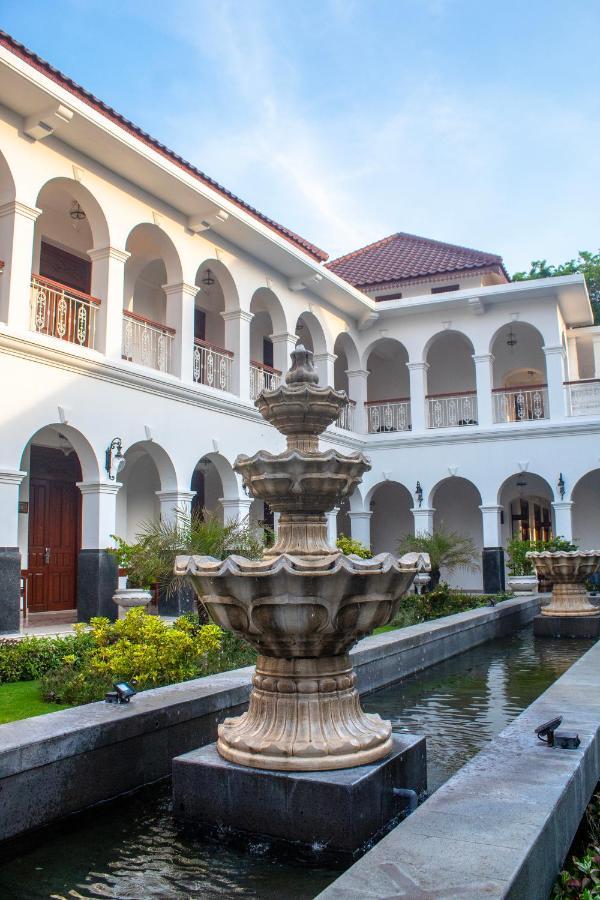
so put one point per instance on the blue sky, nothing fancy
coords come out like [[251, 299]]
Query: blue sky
[[475, 122]]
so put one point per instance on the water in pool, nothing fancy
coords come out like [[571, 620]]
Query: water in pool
[[132, 850]]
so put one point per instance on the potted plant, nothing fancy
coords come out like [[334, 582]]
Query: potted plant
[[521, 574], [139, 583]]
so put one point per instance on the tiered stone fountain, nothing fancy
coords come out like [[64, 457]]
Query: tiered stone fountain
[[569, 613], [302, 606]]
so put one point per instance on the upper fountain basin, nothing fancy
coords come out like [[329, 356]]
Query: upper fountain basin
[[565, 567], [297, 480], [301, 408], [299, 607]]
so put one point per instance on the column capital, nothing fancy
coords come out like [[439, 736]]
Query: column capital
[[180, 287], [241, 315], [237, 505], [361, 514], [12, 476], [175, 496], [99, 487], [284, 336], [422, 510], [562, 504], [554, 349], [483, 357], [492, 508], [321, 357], [417, 366], [100, 253], [364, 373], [16, 208]]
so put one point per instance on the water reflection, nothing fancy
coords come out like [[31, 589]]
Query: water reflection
[[131, 849]]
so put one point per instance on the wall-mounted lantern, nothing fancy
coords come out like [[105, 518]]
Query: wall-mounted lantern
[[114, 458], [419, 494]]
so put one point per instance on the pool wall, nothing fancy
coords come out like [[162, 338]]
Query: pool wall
[[63, 762], [502, 826]]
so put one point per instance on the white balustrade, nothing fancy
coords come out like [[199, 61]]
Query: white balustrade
[[62, 312], [521, 404], [262, 377], [452, 410], [345, 419], [584, 397], [388, 415], [212, 365], [146, 342]]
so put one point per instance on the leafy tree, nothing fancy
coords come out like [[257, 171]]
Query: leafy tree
[[586, 264], [447, 549]]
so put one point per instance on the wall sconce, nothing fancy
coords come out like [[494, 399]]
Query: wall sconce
[[561, 486], [114, 454], [419, 494]]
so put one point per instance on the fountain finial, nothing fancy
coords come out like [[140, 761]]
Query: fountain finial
[[302, 370]]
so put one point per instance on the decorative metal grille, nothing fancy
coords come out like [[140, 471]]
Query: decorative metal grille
[[147, 343], [452, 411], [212, 365], [388, 415], [263, 378], [61, 312], [521, 404]]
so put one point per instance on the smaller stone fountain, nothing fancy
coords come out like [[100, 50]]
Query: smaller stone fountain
[[569, 613]]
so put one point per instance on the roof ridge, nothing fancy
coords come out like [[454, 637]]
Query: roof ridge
[[372, 246], [19, 49], [438, 243]]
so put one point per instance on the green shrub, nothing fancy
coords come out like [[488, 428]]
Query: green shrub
[[31, 657], [441, 601], [348, 546], [517, 551], [447, 549], [580, 879], [139, 648]]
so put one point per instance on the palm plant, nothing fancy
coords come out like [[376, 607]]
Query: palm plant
[[447, 549]]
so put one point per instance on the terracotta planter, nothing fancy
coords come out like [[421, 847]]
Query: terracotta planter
[[522, 584], [129, 598], [568, 572]]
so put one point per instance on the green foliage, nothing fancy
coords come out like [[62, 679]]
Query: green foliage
[[586, 264], [580, 879], [139, 648], [348, 546], [31, 657], [128, 557], [517, 551], [21, 700], [150, 560], [446, 549], [441, 601]]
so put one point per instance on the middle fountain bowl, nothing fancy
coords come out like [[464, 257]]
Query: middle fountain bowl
[[304, 604]]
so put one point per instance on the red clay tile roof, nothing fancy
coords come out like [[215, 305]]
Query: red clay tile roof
[[68, 84], [403, 257]]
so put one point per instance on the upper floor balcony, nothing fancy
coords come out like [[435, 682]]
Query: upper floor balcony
[[62, 312]]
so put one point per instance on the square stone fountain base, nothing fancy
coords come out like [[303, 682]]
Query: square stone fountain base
[[340, 809], [567, 626]]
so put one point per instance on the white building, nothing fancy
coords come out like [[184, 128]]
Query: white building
[[142, 301]]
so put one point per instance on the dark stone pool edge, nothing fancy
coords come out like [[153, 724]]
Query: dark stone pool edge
[[502, 826], [54, 765]]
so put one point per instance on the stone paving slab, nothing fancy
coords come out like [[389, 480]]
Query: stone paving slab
[[501, 827]]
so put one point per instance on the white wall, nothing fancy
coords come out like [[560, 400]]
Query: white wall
[[391, 517], [456, 503], [586, 512]]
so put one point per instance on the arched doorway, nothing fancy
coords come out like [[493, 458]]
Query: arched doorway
[[586, 511], [50, 521], [451, 390], [213, 358], [526, 500], [520, 388], [456, 502], [390, 503], [388, 387], [267, 319]]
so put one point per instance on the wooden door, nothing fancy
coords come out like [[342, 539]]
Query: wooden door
[[54, 517], [66, 268]]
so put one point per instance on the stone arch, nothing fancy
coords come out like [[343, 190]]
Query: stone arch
[[266, 300], [456, 501], [88, 458], [311, 333], [451, 366], [347, 358], [390, 503], [517, 348], [8, 189], [147, 242], [526, 500], [586, 510], [224, 281], [268, 318], [56, 191], [161, 459], [148, 471], [385, 359], [213, 480]]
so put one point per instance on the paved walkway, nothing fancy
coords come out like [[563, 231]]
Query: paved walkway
[[51, 625]]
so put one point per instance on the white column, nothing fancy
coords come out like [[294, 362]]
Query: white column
[[98, 513], [492, 529], [180, 316], [17, 228], [418, 388], [324, 363], [236, 510], [283, 344], [237, 339], [174, 502], [596, 348], [108, 278], [331, 517], [423, 517], [360, 526], [10, 481], [574, 358], [555, 375], [563, 519], [484, 377], [357, 391]]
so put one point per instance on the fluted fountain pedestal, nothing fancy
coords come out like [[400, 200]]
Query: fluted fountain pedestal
[[569, 613]]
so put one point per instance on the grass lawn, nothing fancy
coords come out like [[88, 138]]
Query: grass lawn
[[22, 699]]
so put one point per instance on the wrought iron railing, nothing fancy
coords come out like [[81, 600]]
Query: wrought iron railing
[[146, 342], [262, 377], [345, 419], [388, 415], [584, 397], [62, 312], [452, 410], [523, 403], [212, 365]]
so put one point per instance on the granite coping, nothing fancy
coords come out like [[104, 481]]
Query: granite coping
[[502, 826]]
